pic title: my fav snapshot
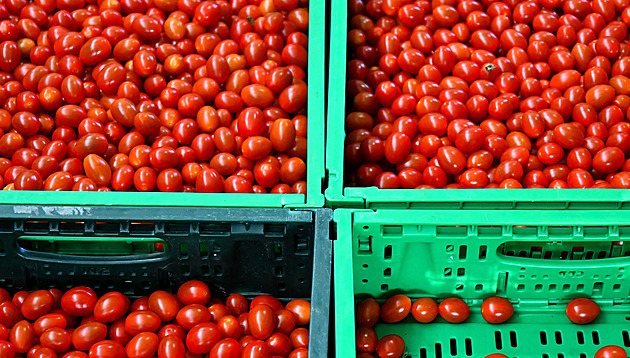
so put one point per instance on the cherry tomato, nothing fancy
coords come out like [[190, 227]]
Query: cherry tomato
[[610, 352], [424, 310], [496, 309], [582, 310], [391, 346], [453, 310]]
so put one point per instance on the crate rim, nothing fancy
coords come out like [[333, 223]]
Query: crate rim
[[338, 196]]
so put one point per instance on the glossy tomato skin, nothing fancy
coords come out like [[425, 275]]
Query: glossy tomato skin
[[424, 310], [582, 310], [454, 310], [367, 313], [79, 301], [111, 307], [391, 346], [192, 292], [611, 352], [496, 309], [395, 309]]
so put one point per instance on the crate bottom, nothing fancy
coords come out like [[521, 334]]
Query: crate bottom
[[531, 332]]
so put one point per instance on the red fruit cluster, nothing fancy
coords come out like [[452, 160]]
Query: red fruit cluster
[[163, 95], [485, 94], [191, 324]]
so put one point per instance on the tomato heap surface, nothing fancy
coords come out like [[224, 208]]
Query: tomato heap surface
[[189, 324], [153, 95], [488, 94]]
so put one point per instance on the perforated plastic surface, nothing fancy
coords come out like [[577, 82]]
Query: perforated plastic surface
[[478, 254]]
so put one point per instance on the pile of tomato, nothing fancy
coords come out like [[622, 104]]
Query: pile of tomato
[[494, 310], [189, 324], [163, 95], [488, 94]]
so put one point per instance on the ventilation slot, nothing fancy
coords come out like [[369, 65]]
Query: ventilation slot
[[388, 252], [498, 340], [462, 252], [483, 251], [453, 347], [626, 339], [595, 338], [438, 350], [597, 288], [513, 341], [580, 337], [468, 343], [558, 337], [423, 353], [543, 338]]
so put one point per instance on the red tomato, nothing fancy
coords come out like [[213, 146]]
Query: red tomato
[[143, 345], [261, 320], [367, 313], [37, 304], [193, 292], [395, 309], [111, 307], [582, 310], [202, 337], [391, 346], [164, 304], [424, 310], [88, 334], [611, 352], [496, 309], [454, 310], [79, 301]]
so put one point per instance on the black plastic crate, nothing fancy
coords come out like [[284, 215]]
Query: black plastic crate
[[137, 250]]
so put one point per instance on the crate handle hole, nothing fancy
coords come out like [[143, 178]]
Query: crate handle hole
[[93, 246]]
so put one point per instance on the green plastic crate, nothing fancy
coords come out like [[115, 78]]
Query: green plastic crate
[[338, 195], [315, 171], [479, 254]]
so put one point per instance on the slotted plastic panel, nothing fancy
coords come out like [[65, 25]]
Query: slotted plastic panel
[[478, 254], [136, 251]]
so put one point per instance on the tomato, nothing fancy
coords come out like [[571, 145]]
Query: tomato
[[144, 344], [582, 310], [256, 349], [57, 339], [453, 310], [79, 301], [37, 304], [261, 320], [171, 347], [191, 315], [395, 308], [22, 336], [164, 304], [226, 348], [424, 310], [109, 349], [496, 309], [391, 346], [193, 292], [302, 310], [88, 334], [367, 313], [142, 321], [111, 307], [611, 352], [366, 340], [202, 337]]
